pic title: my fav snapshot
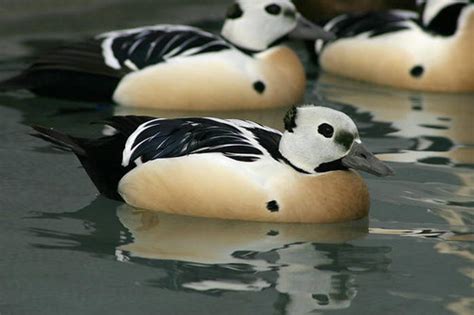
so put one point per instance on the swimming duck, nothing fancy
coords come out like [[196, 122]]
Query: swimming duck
[[183, 67], [232, 169], [430, 51]]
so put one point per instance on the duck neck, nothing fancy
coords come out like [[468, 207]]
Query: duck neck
[[243, 49], [246, 38], [292, 154], [296, 168]]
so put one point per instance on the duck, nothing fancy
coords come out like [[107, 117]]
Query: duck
[[231, 168], [426, 51], [183, 67]]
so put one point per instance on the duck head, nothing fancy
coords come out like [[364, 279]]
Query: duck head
[[257, 24], [319, 139]]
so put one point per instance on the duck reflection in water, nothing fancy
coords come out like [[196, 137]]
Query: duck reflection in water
[[426, 132], [312, 267], [438, 126]]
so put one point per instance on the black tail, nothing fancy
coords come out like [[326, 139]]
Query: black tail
[[101, 157], [60, 140], [64, 84]]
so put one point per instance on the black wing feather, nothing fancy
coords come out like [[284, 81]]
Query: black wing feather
[[445, 23], [381, 23], [269, 140], [166, 138], [375, 23], [151, 46], [102, 158], [143, 47], [91, 70], [86, 57]]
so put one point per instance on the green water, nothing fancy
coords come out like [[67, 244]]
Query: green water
[[66, 250]]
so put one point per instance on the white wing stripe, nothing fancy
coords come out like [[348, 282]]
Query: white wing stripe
[[129, 147], [142, 32], [245, 138]]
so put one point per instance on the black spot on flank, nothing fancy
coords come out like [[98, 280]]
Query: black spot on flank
[[273, 9], [326, 130], [234, 11], [290, 119], [273, 233], [273, 206], [345, 139], [259, 86], [417, 71]]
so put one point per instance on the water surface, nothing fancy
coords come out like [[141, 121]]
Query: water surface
[[66, 250]]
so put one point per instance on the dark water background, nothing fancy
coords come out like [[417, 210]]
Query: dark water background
[[66, 250]]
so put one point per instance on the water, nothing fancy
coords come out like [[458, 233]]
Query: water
[[66, 250]]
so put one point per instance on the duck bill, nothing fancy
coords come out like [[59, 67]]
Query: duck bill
[[307, 30], [359, 158]]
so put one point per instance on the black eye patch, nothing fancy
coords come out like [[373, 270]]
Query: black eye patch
[[326, 130], [345, 139], [234, 11], [273, 9]]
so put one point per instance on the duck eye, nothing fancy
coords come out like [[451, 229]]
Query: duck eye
[[273, 9], [326, 130]]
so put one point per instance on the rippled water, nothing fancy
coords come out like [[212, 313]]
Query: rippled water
[[66, 250]]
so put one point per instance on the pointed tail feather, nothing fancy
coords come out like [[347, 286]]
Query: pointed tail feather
[[59, 139], [100, 157]]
